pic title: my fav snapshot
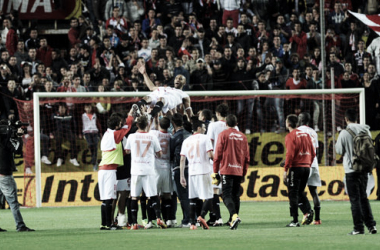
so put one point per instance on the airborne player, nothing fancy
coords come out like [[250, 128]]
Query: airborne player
[[165, 98]]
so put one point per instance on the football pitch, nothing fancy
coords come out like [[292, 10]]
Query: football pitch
[[262, 227]]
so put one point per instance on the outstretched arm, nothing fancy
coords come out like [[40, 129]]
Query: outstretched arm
[[147, 81]]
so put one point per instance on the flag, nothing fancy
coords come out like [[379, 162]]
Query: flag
[[372, 21]]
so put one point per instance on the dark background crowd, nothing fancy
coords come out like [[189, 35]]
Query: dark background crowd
[[217, 45]]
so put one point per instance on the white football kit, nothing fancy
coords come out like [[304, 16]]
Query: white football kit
[[314, 177], [196, 148], [162, 165], [143, 147]]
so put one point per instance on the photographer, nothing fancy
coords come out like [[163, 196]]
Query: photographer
[[10, 144]]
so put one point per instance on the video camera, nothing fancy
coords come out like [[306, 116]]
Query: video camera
[[8, 127]]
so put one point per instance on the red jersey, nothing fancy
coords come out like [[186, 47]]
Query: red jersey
[[293, 84], [299, 149], [231, 154]]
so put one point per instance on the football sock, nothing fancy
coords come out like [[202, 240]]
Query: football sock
[[207, 205], [216, 206], [134, 209], [173, 210], [157, 108], [103, 213], [143, 206], [199, 207], [141, 102], [167, 207], [156, 206], [128, 204], [193, 208], [108, 207], [317, 211], [212, 217], [150, 210]]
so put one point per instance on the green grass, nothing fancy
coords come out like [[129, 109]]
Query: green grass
[[262, 227]]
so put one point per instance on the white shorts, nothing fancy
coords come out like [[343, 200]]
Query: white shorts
[[164, 180], [314, 178], [107, 184], [200, 186], [148, 183], [124, 185], [167, 103]]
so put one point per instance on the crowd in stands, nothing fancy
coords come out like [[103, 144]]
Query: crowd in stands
[[217, 45]]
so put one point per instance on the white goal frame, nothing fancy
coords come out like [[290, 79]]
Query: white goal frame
[[38, 95]]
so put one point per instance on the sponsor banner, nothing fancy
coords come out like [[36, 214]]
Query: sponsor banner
[[266, 184], [265, 149], [261, 184], [43, 9]]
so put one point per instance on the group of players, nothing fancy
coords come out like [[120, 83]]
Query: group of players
[[147, 141]]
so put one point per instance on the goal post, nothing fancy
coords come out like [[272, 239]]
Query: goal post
[[194, 94]]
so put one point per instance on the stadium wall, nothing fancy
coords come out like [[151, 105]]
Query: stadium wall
[[261, 184], [263, 181]]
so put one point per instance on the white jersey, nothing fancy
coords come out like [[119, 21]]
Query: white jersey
[[143, 147], [314, 140], [171, 99], [215, 128], [164, 140], [195, 148]]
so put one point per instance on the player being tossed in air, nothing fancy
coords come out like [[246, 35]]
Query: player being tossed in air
[[112, 157], [143, 148], [165, 98], [198, 150]]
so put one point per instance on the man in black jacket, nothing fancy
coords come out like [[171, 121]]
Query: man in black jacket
[[8, 187], [175, 148]]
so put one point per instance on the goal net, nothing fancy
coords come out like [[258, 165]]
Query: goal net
[[261, 115]]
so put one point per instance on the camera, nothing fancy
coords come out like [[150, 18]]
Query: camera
[[8, 127]]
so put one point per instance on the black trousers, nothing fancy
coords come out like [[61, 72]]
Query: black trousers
[[361, 209], [297, 180], [183, 194], [230, 190]]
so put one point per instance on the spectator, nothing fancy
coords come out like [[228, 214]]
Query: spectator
[[150, 22], [200, 79], [91, 132], [359, 57], [111, 4], [44, 52], [35, 86], [57, 62], [114, 39], [33, 41], [298, 40], [20, 53], [230, 10], [11, 38], [145, 51], [73, 34], [180, 70], [135, 10], [65, 126], [295, 82], [219, 76], [118, 21], [14, 68], [154, 41], [32, 59]]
